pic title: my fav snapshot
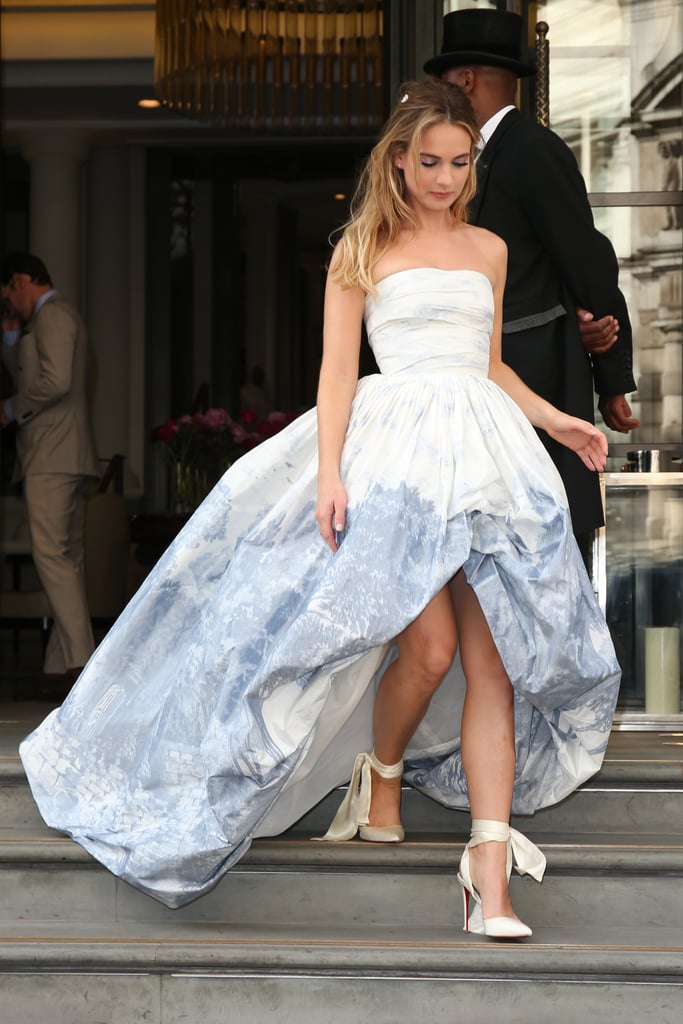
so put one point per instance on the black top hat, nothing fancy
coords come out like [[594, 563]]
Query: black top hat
[[492, 38]]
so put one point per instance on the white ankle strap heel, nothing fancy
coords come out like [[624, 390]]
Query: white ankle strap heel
[[527, 859], [353, 814]]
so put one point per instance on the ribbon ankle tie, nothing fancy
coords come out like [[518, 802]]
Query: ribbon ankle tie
[[528, 859], [355, 807]]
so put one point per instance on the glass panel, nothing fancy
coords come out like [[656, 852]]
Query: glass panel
[[644, 590], [615, 97], [651, 278], [615, 89]]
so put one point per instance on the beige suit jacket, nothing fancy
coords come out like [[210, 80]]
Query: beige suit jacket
[[49, 367]]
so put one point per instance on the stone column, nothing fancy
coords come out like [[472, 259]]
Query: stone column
[[114, 305], [55, 158]]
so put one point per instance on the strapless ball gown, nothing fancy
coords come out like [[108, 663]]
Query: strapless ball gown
[[237, 686]]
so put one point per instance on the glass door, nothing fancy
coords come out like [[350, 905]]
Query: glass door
[[639, 578], [615, 98]]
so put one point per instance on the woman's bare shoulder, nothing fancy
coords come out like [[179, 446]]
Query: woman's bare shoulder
[[489, 241]]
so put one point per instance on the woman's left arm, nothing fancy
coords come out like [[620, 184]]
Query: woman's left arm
[[589, 443]]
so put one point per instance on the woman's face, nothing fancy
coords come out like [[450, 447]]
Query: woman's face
[[444, 162]]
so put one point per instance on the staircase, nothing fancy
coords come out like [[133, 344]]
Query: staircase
[[355, 933]]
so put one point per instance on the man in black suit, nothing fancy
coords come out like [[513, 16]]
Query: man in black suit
[[531, 193]]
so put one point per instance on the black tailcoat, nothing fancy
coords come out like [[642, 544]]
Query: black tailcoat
[[531, 193]]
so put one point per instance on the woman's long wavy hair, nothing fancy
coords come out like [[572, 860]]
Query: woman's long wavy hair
[[379, 210]]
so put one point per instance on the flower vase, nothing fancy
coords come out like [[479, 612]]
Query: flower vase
[[183, 498], [202, 485]]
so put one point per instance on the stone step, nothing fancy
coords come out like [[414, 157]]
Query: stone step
[[357, 932], [332, 974], [631, 756], [639, 788], [630, 883], [618, 808], [593, 808]]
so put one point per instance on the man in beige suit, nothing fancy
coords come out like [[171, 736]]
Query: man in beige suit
[[46, 357]]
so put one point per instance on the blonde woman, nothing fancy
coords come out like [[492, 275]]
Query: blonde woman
[[407, 247], [436, 624]]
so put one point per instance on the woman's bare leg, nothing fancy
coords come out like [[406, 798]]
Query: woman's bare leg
[[426, 649], [488, 744]]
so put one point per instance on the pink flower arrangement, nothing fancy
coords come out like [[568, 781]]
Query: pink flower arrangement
[[201, 446], [213, 436]]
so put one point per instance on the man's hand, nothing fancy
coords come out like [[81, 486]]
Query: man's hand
[[616, 412], [11, 321], [597, 336]]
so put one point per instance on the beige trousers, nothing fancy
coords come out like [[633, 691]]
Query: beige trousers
[[55, 507]]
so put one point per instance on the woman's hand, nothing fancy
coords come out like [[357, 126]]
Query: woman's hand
[[589, 443], [330, 510]]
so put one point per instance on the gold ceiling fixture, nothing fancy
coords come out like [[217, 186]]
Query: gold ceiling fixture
[[305, 66]]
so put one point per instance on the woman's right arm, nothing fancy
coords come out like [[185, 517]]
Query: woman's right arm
[[336, 388]]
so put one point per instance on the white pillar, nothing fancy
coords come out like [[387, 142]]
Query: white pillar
[[112, 304], [55, 158]]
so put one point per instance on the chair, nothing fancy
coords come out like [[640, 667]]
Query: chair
[[106, 556], [20, 608]]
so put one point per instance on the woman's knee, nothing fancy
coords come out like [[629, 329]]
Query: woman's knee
[[488, 677], [432, 656], [428, 645]]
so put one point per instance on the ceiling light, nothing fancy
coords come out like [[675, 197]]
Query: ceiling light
[[273, 64]]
